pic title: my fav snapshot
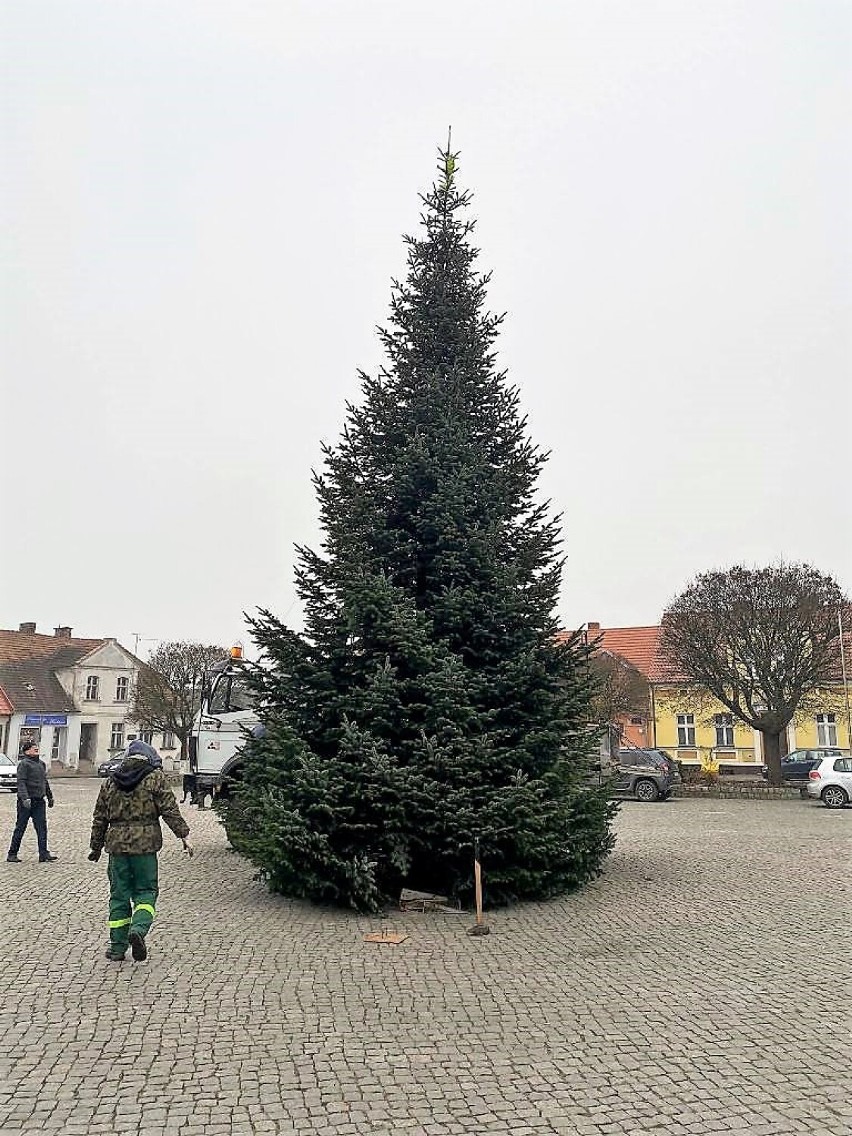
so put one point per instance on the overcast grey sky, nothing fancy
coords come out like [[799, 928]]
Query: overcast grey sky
[[204, 204]]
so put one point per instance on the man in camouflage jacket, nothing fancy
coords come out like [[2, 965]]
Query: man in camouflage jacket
[[126, 822]]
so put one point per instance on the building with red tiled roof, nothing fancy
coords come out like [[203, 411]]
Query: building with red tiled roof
[[696, 730], [29, 664], [27, 643], [639, 645], [72, 696]]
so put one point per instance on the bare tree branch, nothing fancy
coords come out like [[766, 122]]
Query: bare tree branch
[[168, 688], [620, 689]]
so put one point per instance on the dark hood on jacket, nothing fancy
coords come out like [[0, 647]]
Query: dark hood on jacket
[[138, 748], [141, 759]]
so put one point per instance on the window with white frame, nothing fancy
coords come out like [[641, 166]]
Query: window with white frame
[[56, 745], [122, 689], [93, 688], [724, 724], [686, 729], [168, 740], [146, 736], [116, 737], [826, 729]]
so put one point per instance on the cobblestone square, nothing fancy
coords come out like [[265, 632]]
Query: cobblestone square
[[700, 987]]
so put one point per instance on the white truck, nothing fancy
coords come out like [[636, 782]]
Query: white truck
[[219, 732]]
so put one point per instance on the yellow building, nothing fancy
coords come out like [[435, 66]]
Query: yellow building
[[696, 730]]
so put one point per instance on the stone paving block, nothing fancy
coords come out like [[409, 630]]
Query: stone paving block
[[657, 1000]]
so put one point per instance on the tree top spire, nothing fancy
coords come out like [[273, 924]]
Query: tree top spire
[[447, 164]]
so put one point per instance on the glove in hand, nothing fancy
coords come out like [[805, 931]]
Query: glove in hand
[[94, 857]]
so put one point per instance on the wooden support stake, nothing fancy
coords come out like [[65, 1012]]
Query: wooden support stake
[[480, 927]]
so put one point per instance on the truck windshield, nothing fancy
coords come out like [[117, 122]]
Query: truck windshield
[[230, 693], [240, 698]]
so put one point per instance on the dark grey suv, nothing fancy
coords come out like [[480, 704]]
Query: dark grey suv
[[645, 774]]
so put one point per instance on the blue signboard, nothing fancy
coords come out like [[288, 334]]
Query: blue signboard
[[46, 720]]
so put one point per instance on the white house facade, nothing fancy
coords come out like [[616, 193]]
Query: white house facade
[[71, 696]]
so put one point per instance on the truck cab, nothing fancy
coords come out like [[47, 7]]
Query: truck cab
[[227, 714]]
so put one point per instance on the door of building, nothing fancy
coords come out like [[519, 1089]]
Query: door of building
[[59, 744], [88, 741]]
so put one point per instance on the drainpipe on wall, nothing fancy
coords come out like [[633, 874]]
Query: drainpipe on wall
[[653, 717], [845, 678]]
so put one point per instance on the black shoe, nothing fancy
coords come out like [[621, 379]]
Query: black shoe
[[137, 947], [47, 859], [114, 955], [13, 858]]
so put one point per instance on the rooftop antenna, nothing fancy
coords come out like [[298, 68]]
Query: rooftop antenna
[[138, 638]]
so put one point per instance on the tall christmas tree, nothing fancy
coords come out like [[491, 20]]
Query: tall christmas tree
[[428, 700]]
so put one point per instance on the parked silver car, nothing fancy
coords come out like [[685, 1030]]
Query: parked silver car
[[831, 781], [8, 774]]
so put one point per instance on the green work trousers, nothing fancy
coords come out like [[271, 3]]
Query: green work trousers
[[133, 890]]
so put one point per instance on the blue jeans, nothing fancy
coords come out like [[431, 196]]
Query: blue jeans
[[38, 815]]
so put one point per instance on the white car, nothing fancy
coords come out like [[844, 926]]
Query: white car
[[831, 781], [8, 774]]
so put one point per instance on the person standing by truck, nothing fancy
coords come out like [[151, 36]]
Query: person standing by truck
[[34, 793], [126, 822]]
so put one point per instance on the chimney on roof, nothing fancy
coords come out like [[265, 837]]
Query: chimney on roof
[[593, 630], [62, 632], [28, 628]]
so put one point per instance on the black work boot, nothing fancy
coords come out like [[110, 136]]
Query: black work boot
[[13, 858], [115, 954], [47, 859], [137, 947]]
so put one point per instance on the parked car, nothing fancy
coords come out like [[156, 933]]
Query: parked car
[[645, 774], [831, 780], [108, 767], [8, 774], [796, 766]]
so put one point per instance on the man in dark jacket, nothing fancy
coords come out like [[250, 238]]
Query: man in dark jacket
[[126, 822], [33, 792]]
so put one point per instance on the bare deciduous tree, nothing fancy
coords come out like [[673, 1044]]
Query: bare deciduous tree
[[168, 688], [621, 690], [763, 641]]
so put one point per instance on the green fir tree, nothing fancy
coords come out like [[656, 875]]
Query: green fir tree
[[429, 699]]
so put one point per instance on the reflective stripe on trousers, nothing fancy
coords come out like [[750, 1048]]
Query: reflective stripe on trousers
[[133, 895]]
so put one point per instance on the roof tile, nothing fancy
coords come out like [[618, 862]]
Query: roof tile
[[15, 646], [641, 647], [28, 665]]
